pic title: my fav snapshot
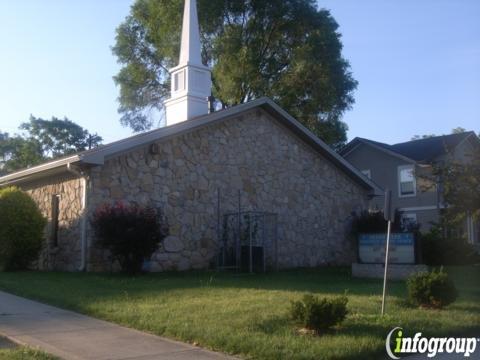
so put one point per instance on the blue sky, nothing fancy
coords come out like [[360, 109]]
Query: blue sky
[[417, 63]]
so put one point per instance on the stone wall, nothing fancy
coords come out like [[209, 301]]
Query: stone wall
[[65, 256], [274, 170]]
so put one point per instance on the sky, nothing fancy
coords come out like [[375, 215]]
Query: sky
[[417, 63]]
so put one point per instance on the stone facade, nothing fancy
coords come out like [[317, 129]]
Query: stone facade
[[66, 255], [253, 154], [274, 170]]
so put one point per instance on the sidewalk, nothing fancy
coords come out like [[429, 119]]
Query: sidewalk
[[73, 336]]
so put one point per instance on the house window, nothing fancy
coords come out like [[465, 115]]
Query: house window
[[55, 216], [367, 173], [408, 221], [406, 181]]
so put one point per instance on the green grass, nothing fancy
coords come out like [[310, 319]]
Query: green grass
[[23, 353], [247, 315]]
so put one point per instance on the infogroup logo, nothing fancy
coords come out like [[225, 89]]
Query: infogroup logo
[[430, 346]]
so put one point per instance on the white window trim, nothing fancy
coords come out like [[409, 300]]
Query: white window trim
[[367, 173], [399, 169]]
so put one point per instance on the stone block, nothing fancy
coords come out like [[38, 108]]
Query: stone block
[[172, 244]]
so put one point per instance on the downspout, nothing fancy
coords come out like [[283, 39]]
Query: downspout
[[83, 221]]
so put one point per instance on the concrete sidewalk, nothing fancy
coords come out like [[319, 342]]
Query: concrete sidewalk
[[73, 336]]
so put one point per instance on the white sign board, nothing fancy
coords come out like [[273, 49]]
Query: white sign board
[[371, 248]]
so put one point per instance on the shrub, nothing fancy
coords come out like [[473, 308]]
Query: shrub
[[21, 229], [372, 222], [319, 314], [130, 232], [431, 289], [452, 249]]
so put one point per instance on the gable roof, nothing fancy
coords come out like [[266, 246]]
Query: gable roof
[[98, 155], [421, 150], [426, 150]]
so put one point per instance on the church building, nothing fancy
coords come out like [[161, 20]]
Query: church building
[[202, 165]]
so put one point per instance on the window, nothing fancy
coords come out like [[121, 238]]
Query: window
[[179, 81], [406, 181], [367, 173], [408, 221], [55, 215]]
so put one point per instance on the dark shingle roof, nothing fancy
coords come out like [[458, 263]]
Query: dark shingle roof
[[421, 150], [425, 150]]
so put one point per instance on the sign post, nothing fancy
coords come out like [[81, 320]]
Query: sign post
[[387, 213]]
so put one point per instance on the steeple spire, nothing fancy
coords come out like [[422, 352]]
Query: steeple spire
[[191, 80], [190, 46]]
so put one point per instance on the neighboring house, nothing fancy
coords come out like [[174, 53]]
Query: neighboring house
[[199, 161], [402, 168]]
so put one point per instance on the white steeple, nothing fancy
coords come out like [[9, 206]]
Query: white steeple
[[191, 80]]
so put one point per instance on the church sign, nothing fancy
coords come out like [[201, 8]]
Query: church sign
[[371, 248]]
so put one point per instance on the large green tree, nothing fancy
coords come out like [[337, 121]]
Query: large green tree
[[17, 152], [285, 49], [43, 140], [59, 137]]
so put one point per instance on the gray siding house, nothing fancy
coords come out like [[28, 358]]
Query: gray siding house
[[401, 168]]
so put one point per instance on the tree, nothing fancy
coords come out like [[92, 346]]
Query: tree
[[43, 140], [458, 130], [460, 183], [17, 153], [418, 137], [59, 137], [285, 49]]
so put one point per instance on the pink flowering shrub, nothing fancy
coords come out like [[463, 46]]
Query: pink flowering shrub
[[130, 232]]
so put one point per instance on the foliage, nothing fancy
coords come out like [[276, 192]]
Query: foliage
[[60, 137], [450, 249], [285, 49], [21, 229], [18, 152], [460, 184], [373, 222], [43, 140], [457, 130], [23, 353], [431, 289], [319, 314], [130, 232], [246, 315]]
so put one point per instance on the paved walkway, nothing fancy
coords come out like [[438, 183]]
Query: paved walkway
[[73, 336]]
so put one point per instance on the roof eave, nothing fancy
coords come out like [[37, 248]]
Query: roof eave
[[34, 171]]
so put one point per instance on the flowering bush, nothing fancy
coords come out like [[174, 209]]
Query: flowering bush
[[130, 232]]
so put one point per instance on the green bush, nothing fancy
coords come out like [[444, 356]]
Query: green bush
[[21, 229], [433, 289], [319, 314], [373, 222], [452, 249]]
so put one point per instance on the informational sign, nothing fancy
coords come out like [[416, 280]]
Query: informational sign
[[371, 248]]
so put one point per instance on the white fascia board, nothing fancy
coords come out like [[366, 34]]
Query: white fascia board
[[23, 174]]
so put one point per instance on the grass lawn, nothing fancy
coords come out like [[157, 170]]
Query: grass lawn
[[246, 315], [23, 353]]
